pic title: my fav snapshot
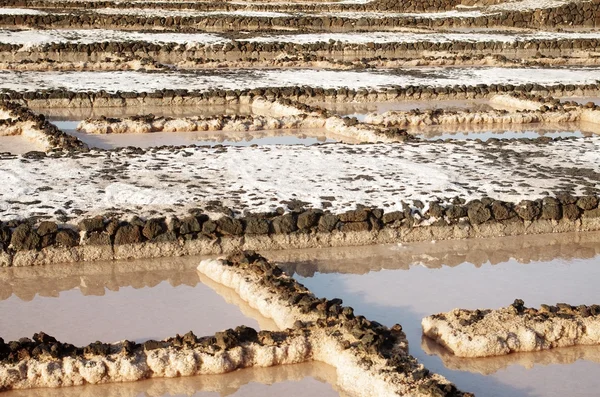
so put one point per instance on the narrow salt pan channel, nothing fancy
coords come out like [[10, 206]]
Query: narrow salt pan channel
[[247, 79], [36, 38], [20, 11], [406, 296], [261, 178]]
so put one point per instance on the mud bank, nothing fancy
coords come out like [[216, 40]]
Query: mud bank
[[516, 328], [49, 363], [479, 119]]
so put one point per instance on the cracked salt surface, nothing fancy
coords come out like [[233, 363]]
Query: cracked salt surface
[[247, 79], [260, 178]]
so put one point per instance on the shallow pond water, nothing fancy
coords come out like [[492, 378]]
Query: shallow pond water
[[157, 298], [199, 138], [395, 291], [360, 110]]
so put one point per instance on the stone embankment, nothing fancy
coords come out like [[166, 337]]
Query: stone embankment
[[61, 98], [581, 14], [30, 242], [236, 50], [516, 328], [371, 359]]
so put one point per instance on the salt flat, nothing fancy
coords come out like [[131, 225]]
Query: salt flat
[[262, 178]]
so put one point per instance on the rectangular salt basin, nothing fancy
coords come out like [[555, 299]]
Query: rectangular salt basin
[[234, 79], [137, 300], [403, 284], [198, 138]]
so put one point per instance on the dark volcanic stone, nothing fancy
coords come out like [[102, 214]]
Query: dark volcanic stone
[[92, 224], [394, 216], [256, 225], [477, 212], [328, 222], [587, 202], [456, 212], [67, 238], [23, 238], [501, 211], [153, 228], [128, 234], [355, 226], [308, 219], [98, 238], [46, 228], [231, 226], [284, 224], [359, 215], [528, 210], [571, 212], [551, 212], [189, 225]]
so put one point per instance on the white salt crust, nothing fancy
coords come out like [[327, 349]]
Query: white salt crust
[[502, 331], [260, 178]]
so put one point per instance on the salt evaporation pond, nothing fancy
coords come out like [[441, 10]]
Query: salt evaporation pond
[[390, 284], [403, 284], [198, 138]]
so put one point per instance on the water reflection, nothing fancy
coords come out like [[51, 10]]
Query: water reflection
[[408, 293]]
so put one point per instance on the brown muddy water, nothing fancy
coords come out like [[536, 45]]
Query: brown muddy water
[[391, 284]]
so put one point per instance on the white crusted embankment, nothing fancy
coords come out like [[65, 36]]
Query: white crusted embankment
[[482, 333], [354, 345], [53, 364]]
